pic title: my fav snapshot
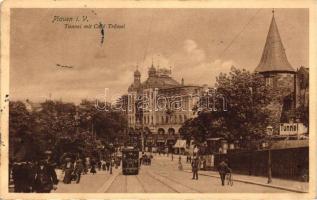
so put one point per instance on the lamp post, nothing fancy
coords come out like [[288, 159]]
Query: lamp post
[[269, 171]]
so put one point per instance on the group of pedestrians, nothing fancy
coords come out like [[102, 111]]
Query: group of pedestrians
[[39, 176], [72, 170], [42, 176], [223, 169], [146, 159]]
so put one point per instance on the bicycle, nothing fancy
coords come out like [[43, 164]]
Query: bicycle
[[229, 179]]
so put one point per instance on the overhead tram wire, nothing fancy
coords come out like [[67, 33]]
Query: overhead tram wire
[[237, 35]]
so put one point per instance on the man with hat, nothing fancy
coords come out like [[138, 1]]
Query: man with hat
[[223, 169], [21, 177], [195, 166]]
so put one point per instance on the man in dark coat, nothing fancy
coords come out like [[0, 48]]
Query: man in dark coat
[[45, 178], [68, 169], [21, 174], [195, 166], [79, 168], [223, 169]]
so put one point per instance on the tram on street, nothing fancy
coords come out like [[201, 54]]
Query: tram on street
[[130, 161]]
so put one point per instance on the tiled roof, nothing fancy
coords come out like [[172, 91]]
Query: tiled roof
[[274, 56]]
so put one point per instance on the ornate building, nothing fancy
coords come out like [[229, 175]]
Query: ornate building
[[159, 106]]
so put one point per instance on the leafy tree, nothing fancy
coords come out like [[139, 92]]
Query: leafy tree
[[246, 113], [23, 145]]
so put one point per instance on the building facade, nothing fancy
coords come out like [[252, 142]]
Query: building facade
[[159, 106]]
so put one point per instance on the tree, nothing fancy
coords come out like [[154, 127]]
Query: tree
[[23, 144], [246, 113]]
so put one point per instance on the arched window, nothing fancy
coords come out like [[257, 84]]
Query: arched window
[[160, 131]]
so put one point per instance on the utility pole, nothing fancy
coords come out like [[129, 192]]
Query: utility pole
[[269, 163]]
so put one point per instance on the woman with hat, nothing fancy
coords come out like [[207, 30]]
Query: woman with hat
[[45, 178]]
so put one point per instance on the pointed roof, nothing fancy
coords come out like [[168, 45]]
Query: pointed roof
[[274, 57]]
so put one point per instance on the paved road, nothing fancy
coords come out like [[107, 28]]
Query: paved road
[[162, 176]]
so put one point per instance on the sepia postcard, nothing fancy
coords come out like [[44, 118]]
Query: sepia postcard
[[158, 99]]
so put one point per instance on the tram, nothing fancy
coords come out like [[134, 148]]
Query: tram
[[130, 161]]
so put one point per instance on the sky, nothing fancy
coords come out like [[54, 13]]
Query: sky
[[197, 44]]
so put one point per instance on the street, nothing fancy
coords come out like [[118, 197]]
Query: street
[[162, 176]]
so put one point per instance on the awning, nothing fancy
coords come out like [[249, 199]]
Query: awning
[[180, 144]]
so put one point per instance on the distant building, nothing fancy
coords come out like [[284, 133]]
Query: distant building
[[159, 106]]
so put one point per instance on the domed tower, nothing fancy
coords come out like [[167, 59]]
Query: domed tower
[[152, 71], [276, 70], [137, 77], [135, 86]]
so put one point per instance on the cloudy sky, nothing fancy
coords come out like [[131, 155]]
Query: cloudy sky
[[197, 44]]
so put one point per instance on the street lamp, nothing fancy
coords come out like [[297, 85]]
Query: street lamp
[[269, 172]]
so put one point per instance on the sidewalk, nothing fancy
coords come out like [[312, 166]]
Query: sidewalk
[[88, 183], [289, 185]]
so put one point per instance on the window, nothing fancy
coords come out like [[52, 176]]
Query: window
[[269, 81]]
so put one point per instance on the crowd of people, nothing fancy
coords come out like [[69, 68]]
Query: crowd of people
[[43, 175]]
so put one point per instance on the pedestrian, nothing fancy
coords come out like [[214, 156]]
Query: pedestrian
[[93, 167], [195, 166], [108, 164], [99, 165], [190, 159], [180, 166], [78, 170], [21, 177], [68, 169], [45, 178], [103, 164], [223, 169]]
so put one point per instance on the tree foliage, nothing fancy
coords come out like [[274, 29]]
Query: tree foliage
[[62, 128], [246, 114]]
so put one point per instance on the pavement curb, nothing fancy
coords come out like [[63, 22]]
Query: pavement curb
[[255, 183]]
